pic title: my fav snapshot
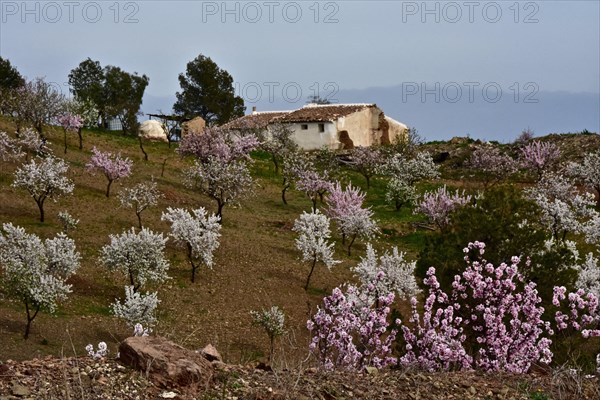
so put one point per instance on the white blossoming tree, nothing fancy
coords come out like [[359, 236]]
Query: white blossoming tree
[[589, 275], [197, 231], [313, 235], [140, 197], [398, 274], [43, 179], [272, 321], [399, 193], [404, 174], [226, 182], [563, 208], [137, 308], [9, 148], [139, 256], [35, 271], [413, 170], [588, 172]]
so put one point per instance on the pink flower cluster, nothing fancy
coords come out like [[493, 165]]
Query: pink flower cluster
[[438, 205], [540, 156], [351, 333], [492, 308], [582, 312], [217, 143], [70, 122], [113, 167]]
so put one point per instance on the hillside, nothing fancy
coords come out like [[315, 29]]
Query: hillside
[[256, 266]]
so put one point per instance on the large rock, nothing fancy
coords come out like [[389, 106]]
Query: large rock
[[152, 130], [166, 363]]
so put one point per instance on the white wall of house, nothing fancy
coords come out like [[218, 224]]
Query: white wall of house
[[312, 138]]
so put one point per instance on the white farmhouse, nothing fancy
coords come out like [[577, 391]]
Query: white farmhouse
[[336, 126]]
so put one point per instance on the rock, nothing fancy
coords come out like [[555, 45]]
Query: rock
[[152, 130], [166, 363], [20, 390], [210, 353], [372, 370]]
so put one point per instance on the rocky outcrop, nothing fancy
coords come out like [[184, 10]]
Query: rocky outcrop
[[166, 363]]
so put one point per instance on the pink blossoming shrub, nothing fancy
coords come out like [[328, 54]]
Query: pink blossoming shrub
[[491, 320], [352, 333]]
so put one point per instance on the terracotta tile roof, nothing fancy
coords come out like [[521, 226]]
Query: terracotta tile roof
[[255, 120], [322, 112], [308, 113]]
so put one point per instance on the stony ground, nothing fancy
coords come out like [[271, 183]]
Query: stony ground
[[85, 378]]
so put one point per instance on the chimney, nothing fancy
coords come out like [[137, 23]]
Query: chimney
[[253, 110]]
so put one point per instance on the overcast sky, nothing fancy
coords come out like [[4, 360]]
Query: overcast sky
[[439, 66]]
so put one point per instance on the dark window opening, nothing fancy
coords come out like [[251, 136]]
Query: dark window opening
[[321, 127], [304, 127]]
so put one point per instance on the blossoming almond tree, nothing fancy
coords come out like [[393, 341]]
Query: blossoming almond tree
[[314, 184], [293, 165], [563, 209], [43, 179], [70, 123], [137, 308], [112, 166], [32, 143], [313, 233], [226, 182], [272, 321], [199, 233], [588, 172], [400, 193], [411, 170], [366, 161], [493, 165], [139, 256], [9, 149], [352, 332], [398, 273], [352, 220], [341, 203], [35, 272], [540, 157], [438, 205], [140, 197], [404, 173]]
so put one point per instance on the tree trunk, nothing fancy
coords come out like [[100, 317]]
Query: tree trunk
[[162, 170], [30, 319], [40, 204], [143, 151], [79, 133], [108, 188], [351, 243], [368, 181], [314, 204], [220, 205], [285, 188], [311, 272], [275, 163], [65, 135], [139, 217]]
